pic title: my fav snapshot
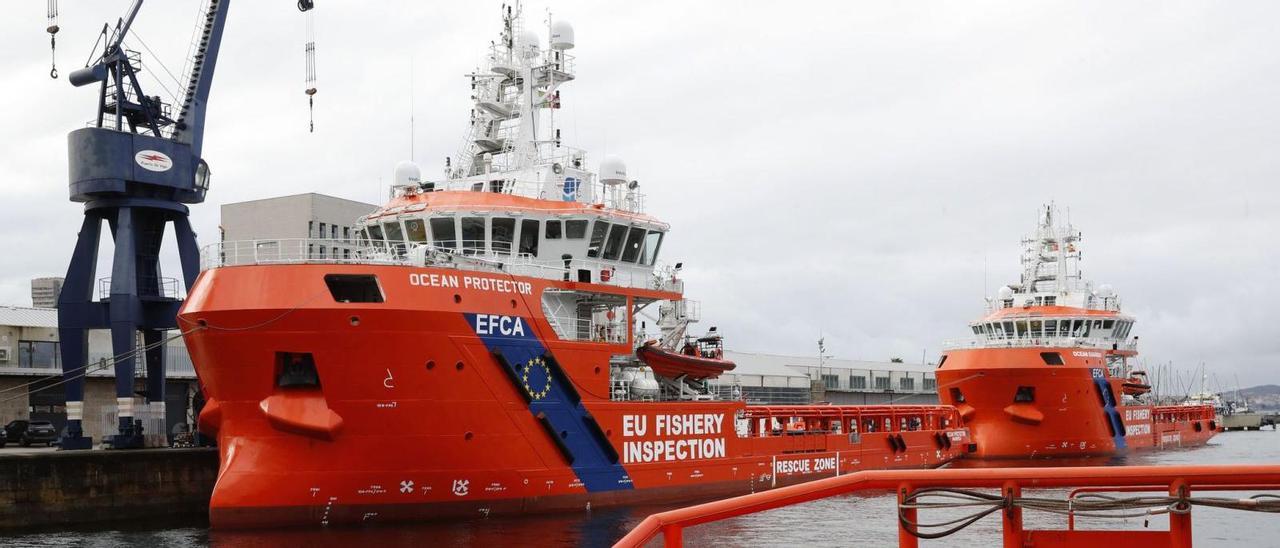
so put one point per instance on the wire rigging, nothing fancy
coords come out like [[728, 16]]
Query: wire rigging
[[52, 29], [306, 6], [1091, 505]]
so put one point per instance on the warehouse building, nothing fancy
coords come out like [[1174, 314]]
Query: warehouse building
[[31, 378]]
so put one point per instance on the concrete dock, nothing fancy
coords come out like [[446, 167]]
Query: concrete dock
[[42, 487]]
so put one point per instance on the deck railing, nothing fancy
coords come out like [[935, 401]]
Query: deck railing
[[469, 257], [1178, 481], [1030, 342]]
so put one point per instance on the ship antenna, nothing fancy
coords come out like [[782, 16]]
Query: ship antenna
[[412, 130]]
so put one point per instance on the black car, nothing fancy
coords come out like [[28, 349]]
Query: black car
[[29, 432], [4, 438]]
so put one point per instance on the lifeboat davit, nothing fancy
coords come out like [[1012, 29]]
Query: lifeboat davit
[[672, 364]]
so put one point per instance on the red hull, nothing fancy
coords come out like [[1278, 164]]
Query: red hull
[[1068, 415], [417, 414]]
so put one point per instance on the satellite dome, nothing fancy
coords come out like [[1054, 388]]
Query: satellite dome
[[1005, 293], [1106, 291], [561, 35], [407, 173], [613, 170]]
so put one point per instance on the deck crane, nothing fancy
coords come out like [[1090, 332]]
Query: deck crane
[[137, 169]]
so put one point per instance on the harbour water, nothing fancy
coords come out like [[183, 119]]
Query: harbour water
[[847, 521]]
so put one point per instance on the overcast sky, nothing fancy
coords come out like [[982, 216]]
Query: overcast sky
[[864, 170]]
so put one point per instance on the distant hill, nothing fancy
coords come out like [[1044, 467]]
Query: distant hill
[[1262, 390]]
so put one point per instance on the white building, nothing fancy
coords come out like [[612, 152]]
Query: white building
[[323, 223], [45, 291], [31, 375], [775, 378]]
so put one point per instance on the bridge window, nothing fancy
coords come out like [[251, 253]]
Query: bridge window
[[631, 251], [1050, 328], [1022, 328], [553, 230], [977, 330], [529, 237], [613, 245], [1035, 328], [502, 230], [443, 233], [575, 229], [472, 235], [598, 231], [1064, 328], [395, 236], [375, 233], [415, 230], [652, 241]]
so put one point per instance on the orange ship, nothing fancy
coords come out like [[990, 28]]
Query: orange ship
[[1048, 373], [474, 352]]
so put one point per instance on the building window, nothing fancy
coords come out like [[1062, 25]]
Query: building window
[[333, 232], [346, 234], [906, 383], [930, 383], [858, 382], [311, 229], [38, 354], [832, 382], [322, 252], [321, 234], [882, 383]]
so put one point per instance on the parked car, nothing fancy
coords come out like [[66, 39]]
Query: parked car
[[29, 432], [4, 438]]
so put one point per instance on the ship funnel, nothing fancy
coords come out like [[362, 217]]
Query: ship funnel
[[561, 35], [613, 171], [407, 173]]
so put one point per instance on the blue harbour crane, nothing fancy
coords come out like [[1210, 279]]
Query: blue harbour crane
[[136, 170]]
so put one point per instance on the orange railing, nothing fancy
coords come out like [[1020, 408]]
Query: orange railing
[[1179, 481], [1182, 413], [855, 418]]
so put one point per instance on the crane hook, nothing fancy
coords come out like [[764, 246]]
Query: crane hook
[[52, 29]]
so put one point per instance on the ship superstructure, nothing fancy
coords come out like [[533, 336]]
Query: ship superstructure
[[1048, 372], [476, 347]]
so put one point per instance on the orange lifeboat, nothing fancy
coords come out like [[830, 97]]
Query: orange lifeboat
[[1136, 384], [693, 361]]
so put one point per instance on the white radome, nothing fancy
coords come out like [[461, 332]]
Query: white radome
[[1106, 291], [407, 173], [1005, 293], [561, 35], [613, 170]]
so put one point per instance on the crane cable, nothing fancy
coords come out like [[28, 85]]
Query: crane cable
[[52, 29], [306, 6]]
